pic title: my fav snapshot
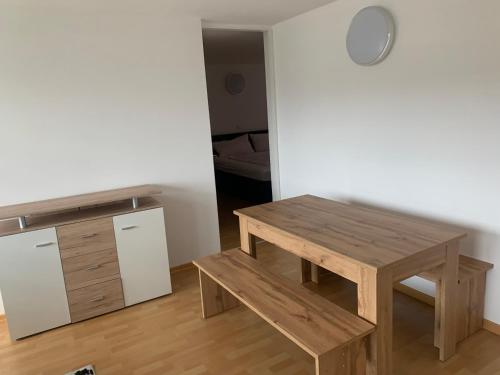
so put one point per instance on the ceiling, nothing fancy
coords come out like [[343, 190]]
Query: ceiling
[[237, 12], [233, 47], [247, 12]]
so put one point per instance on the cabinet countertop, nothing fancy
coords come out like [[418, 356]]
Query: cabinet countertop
[[51, 206], [10, 227]]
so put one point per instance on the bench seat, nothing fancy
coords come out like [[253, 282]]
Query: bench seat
[[468, 269], [332, 335]]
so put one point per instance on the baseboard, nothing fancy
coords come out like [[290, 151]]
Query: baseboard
[[188, 266], [182, 267], [488, 325], [418, 295], [491, 326]]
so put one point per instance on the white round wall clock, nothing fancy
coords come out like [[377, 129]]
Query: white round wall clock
[[370, 36]]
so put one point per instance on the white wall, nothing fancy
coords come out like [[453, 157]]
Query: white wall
[[237, 113], [92, 100], [418, 133]]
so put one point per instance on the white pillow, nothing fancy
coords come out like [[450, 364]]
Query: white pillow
[[260, 141], [238, 145]]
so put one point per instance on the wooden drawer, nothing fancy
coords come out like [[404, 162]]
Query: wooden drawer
[[86, 237], [95, 300], [90, 269]]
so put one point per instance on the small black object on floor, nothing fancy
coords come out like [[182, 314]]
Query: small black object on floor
[[87, 370], [84, 372]]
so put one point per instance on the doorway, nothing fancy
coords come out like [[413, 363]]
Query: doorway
[[235, 65]]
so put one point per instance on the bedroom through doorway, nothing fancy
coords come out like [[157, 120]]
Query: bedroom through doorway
[[237, 97]]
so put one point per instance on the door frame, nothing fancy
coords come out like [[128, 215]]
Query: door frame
[[272, 119]]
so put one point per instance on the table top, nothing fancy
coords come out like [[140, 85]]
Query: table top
[[373, 237]]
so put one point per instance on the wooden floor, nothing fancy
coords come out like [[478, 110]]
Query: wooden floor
[[167, 336]]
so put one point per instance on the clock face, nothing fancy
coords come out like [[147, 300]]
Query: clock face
[[235, 83], [370, 36]]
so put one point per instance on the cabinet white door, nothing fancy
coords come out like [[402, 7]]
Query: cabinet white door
[[142, 254], [32, 283]]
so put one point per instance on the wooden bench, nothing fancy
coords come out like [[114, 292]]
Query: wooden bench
[[333, 336], [471, 292], [470, 303]]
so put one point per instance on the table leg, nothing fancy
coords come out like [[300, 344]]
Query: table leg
[[437, 314], [315, 270], [375, 301], [305, 271], [247, 240], [448, 302], [309, 272]]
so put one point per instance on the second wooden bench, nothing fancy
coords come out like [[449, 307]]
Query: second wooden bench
[[333, 336], [471, 294]]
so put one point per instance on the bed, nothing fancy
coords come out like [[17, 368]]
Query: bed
[[242, 166], [254, 165]]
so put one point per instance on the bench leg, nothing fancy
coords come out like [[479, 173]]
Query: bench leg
[[475, 308], [469, 306], [357, 355], [214, 298], [350, 360]]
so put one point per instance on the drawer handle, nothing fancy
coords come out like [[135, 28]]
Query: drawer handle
[[129, 227], [97, 299], [44, 244], [93, 268], [91, 235]]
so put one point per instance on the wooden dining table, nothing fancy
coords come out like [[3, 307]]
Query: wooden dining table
[[371, 247]]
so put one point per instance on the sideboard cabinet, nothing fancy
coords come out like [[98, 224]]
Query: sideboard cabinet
[[81, 264]]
